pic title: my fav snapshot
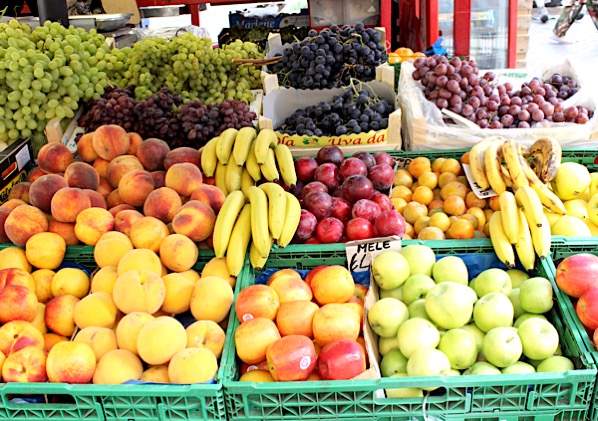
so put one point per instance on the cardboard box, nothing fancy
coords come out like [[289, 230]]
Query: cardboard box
[[15, 162], [278, 21]]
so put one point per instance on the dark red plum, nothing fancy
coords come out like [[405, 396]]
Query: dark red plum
[[329, 175], [341, 209], [313, 186], [359, 229], [365, 208], [384, 158], [383, 201], [353, 166], [389, 223], [367, 158], [305, 167], [318, 203], [382, 176], [331, 154], [330, 230], [357, 187], [307, 226]]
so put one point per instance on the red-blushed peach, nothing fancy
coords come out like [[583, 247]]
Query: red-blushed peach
[[211, 195], [23, 222], [159, 177], [43, 189], [181, 154], [71, 362], [178, 252], [27, 365], [183, 178], [65, 229], [59, 314], [17, 276], [121, 165], [101, 166], [68, 202], [92, 223], [162, 203], [195, 219], [134, 141], [116, 209], [35, 173], [51, 339], [43, 284], [97, 200], [82, 175], [17, 303], [104, 188], [110, 141], [12, 203], [152, 152], [19, 334], [148, 232], [135, 186], [124, 219], [20, 191], [4, 212], [54, 158], [85, 148], [114, 199]]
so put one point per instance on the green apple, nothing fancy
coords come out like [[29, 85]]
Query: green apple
[[392, 293], [502, 346], [454, 372], [570, 226], [525, 316], [450, 269], [472, 283], [416, 287], [392, 363], [517, 277], [539, 338], [390, 270], [428, 362], [577, 208], [514, 298], [404, 392], [477, 334], [460, 347], [418, 309], [481, 368], [421, 259], [571, 180], [593, 209], [385, 345], [536, 295], [493, 310], [417, 333], [450, 305], [552, 217], [593, 184], [556, 363], [386, 315], [519, 367], [493, 280]]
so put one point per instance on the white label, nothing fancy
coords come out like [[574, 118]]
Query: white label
[[305, 362], [247, 316], [360, 253], [481, 194], [22, 157], [402, 163]]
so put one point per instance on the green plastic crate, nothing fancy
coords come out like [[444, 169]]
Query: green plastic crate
[[563, 247], [127, 402], [537, 397]]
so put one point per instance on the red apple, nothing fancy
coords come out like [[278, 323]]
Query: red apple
[[367, 158], [318, 203], [341, 209], [353, 166], [390, 223], [367, 209], [577, 274], [313, 186], [382, 176], [245, 367], [383, 201], [305, 167], [341, 359], [384, 158], [587, 309], [357, 187], [291, 358], [307, 226], [331, 154], [359, 229], [330, 230], [329, 175]]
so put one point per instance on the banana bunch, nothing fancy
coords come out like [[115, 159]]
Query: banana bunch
[[257, 219], [239, 158]]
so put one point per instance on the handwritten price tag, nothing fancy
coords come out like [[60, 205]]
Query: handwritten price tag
[[481, 194], [360, 253]]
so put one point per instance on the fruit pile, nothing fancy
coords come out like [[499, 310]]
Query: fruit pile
[[346, 199], [493, 323], [122, 324], [293, 329], [566, 86], [403, 54]]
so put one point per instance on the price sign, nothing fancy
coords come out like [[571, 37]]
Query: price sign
[[402, 163], [477, 190], [360, 253]]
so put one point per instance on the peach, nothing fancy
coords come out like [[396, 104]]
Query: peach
[[212, 299], [419, 165], [100, 339], [17, 276], [134, 141], [156, 374], [178, 293], [479, 214], [4, 212], [59, 315], [85, 148], [284, 273], [211, 195], [454, 188], [445, 178], [160, 339], [421, 223], [163, 203], [96, 199], [192, 365], [71, 362], [290, 288], [45, 250], [440, 220], [472, 201], [178, 252], [39, 323], [35, 173], [104, 188], [454, 205], [101, 166], [104, 279], [27, 365], [51, 339], [65, 229], [451, 165], [296, 318], [54, 158], [43, 282], [159, 178], [423, 195], [183, 178], [117, 366], [17, 303], [124, 219], [82, 175], [128, 329], [403, 178], [114, 199], [97, 309], [71, 281], [68, 202], [152, 152], [20, 191], [14, 257], [12, 204], [140, 259], [148, 232], [110, 248], [19, 334], [461, 229], [437, 164], [431, 233], [253, 337], [91, 223], [217, 267], [335, 321], [191, 274], [135, 186], [206, 334], [473, 219], [257, 301], [428, 179], [118, 167], [24, 222], [180, 155], [332, 284], [139, 290], [116, 209], [402, 192], [110, 141], [195, 219]]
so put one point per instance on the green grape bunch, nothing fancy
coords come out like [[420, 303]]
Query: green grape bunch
[[186, 64], [45, 73]]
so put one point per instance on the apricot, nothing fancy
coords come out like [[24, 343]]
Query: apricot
[[419, 165], [399, 204], [454, 205], [494, 204], [194, 219], [135, 186], [54, 158], [428, 179], [152, 152], [23, 222], [402, 178], [461, 229], [437, 164], [472, 201], [421, 223], [413, 211], [479, 214], [431, 233], [471, 218], [68, 202], [440, 220], [451, 165], [422, 195], [162, 203], [110, 141], [402, 192], [454, 188], [445, 178]]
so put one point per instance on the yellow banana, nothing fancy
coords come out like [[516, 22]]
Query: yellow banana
[[528, 199], [233, 175], [508, 213], [251, 164], [541, 238], [259, 220], [266, 139], [277, 205], [208, 157], [224, 147], [246, 181], [255, 258], [547, 196], [286, 164], [500, 241], [220, 177], [225, 221], [476, 162], [506, 177], [268, 168], [291, 220], [546, 154], [243, 143], [239, 241], [524, 246], [510, 152], [492, 162]]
